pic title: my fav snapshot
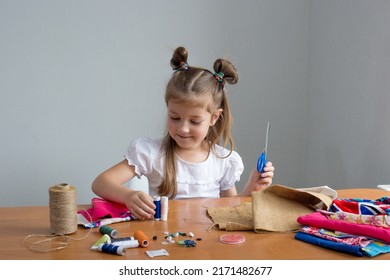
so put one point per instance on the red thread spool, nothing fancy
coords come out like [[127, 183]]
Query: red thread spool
[[142, 238]]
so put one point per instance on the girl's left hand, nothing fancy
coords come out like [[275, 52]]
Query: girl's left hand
[[259, 181]]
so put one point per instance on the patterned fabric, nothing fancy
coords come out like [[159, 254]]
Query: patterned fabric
[[361, 211], [376, 248], [319, 220], [374, 220], [338, 242], [353, 225], [337, 236], [361, 206], [103, 212]]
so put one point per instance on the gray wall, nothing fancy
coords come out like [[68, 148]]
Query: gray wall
[[348, 128], [80, 79]]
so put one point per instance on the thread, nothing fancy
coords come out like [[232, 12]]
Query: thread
[[63, 209], [110, 231], [142, 238], [132, 243], [104, 239], [164, 208], [157, 202], [112, 249], [122, 239], [63, 220]]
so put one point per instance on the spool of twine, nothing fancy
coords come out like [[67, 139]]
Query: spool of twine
[[63, 220], [63, 209]]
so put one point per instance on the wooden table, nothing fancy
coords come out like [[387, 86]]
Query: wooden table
[[184, 216]]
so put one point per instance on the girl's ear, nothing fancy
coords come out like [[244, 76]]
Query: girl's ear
[[215, 116]]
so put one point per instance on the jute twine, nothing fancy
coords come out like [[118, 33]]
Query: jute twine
[[63, 221], [63, 209]]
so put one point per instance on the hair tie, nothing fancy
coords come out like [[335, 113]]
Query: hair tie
[[183, 66], [219, 76]]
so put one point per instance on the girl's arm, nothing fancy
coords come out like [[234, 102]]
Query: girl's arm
[[229, 192], [109, 185]]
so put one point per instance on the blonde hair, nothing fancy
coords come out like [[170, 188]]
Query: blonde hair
[[202, 88]]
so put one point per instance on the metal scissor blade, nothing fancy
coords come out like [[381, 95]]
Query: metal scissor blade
[[266, 138], [263, 158]]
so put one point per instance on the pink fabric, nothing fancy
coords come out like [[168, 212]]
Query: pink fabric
[[104, 209], [319, 220]]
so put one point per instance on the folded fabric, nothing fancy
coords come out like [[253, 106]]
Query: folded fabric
[[319, 220], [374, 220], [103, 212], [371, 249], [336, 246], [337, 236], [375, 248], [362, 206]]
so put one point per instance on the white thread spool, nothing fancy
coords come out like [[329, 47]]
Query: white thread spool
[[63, 209], [164, 208]]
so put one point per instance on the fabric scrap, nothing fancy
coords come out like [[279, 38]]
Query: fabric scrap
[[103, 212], [319, 220], [277, 207], [238, 217], [336, 246]]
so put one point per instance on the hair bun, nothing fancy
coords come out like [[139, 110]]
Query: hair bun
[[227, 68], [180, 55]]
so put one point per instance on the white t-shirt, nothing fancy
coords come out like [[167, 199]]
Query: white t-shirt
[[205, 179]]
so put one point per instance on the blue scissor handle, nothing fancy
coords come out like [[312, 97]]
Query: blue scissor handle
[[261, 162]]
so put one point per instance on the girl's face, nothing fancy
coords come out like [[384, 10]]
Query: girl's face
[[188, 125]]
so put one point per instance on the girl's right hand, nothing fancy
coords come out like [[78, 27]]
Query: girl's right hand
[[140, 204]]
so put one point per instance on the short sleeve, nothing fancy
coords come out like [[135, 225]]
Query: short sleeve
[[142, 153], [233, 171]]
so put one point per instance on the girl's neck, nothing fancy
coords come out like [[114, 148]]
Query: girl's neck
[[200, 154]]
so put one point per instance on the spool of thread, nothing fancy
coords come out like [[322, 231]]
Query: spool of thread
[[112, 249], [157, 202], [104, 239], [131, 243], [110, 231], [142, 238], [63, 209], [164, 208]]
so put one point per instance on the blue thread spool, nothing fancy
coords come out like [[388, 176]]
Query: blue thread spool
[[187, 243], [112, 249], [110, 231], [157, 202]]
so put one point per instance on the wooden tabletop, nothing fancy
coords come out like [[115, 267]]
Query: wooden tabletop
[[187, 215]]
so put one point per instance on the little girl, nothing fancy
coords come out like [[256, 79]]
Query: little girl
[[188, 161]]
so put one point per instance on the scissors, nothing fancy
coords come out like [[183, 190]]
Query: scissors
[[263, 159]]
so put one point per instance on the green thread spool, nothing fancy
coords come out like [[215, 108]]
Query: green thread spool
[[110, 231], [104, 239]]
